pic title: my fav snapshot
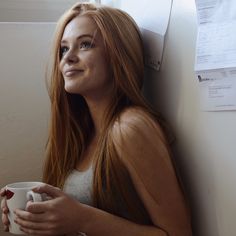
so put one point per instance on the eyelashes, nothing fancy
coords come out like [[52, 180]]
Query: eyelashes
[[63, 51], [84, 45]]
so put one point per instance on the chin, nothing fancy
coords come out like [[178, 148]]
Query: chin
[[71, 90]]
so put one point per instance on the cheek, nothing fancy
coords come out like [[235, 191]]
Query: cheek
[[98, 66], [61, 64], [99, 71]]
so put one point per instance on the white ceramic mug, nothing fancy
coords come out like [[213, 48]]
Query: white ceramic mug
[[17, 195]]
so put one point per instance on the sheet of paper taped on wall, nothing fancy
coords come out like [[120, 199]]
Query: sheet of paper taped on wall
[[215, 62], [152, 16]]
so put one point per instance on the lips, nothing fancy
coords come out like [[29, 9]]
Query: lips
[[9, 194], [72, 72]]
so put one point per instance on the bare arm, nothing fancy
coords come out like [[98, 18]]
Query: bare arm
[[102, 223], [141, 146], [63, 215], [143, 149]]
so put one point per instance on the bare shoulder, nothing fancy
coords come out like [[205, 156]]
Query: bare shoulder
[[139, 123], [142, 147], [139, 141], [136, 136]]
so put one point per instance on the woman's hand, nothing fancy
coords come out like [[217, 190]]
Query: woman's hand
[[57, 216], [4, 209]]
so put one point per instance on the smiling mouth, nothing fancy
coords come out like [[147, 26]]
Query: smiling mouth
[[71, 73]]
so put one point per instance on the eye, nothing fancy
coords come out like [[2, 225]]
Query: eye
[[63, 50], [86, 45]]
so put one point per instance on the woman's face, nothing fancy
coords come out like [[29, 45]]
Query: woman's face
[[83, 63]]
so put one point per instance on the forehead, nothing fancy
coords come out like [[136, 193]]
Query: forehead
[[78, 26]]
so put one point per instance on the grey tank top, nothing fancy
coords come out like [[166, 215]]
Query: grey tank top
[[79, 185]]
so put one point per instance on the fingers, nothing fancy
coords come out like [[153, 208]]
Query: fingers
[[5, 220], [34, 224], [37, 207], [29, 224], [3, 202], [4, 206], [28, 216], [5, 210], [49, 190], [3, 192], [33, 207]]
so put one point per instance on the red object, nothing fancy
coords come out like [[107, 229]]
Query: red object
[[9, 194]]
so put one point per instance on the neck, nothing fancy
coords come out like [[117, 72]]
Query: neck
[[98, 110]]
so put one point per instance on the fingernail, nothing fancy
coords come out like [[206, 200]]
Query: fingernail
[[36, 188], [5, 210]]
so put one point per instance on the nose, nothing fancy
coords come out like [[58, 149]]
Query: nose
[[71, 56]]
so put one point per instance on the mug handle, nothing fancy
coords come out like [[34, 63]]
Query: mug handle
[[34, 197]]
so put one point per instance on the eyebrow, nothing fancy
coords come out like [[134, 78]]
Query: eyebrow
[[82, 36]]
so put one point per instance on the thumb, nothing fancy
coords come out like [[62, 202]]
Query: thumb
[[49, 190], [3, 192]]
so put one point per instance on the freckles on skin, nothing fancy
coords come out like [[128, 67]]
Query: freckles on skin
[[95, 79]]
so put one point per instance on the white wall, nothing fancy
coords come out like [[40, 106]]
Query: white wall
[[205, 143], [24, 103], [36, 10]]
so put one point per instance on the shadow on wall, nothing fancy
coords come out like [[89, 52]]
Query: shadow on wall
[[173, 91]]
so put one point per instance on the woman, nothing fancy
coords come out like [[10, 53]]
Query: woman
[[106, 149]]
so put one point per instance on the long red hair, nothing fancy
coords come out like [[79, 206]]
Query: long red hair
[[72, 127]]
